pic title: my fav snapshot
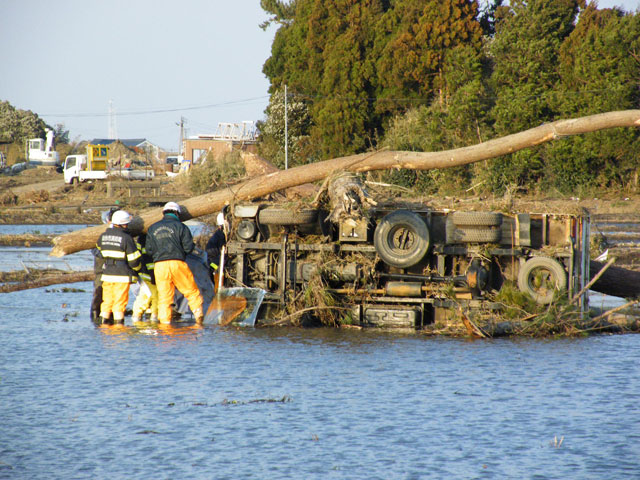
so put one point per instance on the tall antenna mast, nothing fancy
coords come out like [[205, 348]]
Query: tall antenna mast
[[181, 125], [113, 131]]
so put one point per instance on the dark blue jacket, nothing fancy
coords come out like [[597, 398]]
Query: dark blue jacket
[[121, 257], [214, 248], [169, 239]]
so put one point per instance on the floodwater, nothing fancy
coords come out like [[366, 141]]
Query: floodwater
[[80, 401]]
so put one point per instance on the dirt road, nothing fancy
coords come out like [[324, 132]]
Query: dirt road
[[49, 186]]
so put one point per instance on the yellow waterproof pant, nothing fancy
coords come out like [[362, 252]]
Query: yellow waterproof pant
[[146, 302], [172, 274], [115, 296]]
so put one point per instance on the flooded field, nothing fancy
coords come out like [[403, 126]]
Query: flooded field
[[80, 401]]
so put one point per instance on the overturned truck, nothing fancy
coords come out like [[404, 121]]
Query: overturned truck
[[404, 264]]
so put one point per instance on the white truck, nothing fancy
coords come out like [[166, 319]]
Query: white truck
[[133, 173], [92, 166]]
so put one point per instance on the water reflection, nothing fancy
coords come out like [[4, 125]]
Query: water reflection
[[166, 332]]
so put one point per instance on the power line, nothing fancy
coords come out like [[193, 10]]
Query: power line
[[247, 101]]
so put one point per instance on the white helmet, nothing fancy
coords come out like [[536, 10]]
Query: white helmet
[[171, 207], [121, 218], [220, 219]]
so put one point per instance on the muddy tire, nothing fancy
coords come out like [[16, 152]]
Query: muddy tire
[[282, 216], [472, 235], [540, 277], [401, 239], [476, 219]]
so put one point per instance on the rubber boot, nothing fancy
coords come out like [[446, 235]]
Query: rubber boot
[[96, 301], [199, 317]]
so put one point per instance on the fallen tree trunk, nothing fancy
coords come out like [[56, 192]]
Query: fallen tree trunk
[[26, 240], [45, 281], [255, 166], [615, 281], [265, 184]]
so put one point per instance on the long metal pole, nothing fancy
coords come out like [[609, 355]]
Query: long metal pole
[[286, 131]]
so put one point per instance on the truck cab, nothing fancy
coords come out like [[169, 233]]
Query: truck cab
[[92, 166]]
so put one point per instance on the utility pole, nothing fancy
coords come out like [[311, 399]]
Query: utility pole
[[113, 130], [286, 131], [181, 125]]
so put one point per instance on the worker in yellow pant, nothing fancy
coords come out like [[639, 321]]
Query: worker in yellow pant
[[121, 262], [115, 297], [169, 275], [147, 300], [169, 241]]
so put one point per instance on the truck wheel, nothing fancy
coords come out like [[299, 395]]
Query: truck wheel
[[401, 239], [282, 216], [540, 277], [74, 181], [468, 234], [477, 219]]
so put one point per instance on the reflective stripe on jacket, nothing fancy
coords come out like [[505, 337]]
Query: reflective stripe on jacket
[[146, 273], [120, 255], [214, 247]]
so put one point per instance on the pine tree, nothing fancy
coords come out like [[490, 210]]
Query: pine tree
[[357, 61], [525, 52], [600, 68]]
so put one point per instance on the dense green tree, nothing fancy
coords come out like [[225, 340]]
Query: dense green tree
[[343, 114], [439, 74], [525, 53], [18, 125], [458, 122], [358, 61], [600, 69], [419, 33]]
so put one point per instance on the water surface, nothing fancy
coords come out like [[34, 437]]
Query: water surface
[[199, 403]]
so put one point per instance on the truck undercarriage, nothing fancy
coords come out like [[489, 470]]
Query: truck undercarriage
[[403, 265]]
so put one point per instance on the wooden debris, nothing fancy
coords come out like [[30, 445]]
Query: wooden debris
[[37, 279]]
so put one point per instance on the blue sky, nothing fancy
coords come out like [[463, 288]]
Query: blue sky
[[155, 61]]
